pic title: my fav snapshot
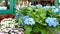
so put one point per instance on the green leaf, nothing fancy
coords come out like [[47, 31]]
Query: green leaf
[[43, 24], [53, 30], [43, 31], [20, 20], [42, 13], [36, 29], [27, 28], [37, 20], [26, 32], [57, 29], [51, 13]]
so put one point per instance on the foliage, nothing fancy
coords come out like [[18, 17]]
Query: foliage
[[38, 20]]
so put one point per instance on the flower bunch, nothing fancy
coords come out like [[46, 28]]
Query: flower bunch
[[6, 16], [54, 9], [51, 21], [7, 22], [46, 7], [32, 6], [36, 18], [28, 20], [12, 31], [18, 15], [38, 5]]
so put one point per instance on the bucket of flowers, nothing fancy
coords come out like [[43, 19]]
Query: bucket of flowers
[[7, 26]]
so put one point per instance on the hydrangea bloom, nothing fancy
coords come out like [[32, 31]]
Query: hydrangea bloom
[[18, 15], [26, 17], [28, 20], [38, 5], [54, 9], [32, 6], [51, 21], [46, 7]]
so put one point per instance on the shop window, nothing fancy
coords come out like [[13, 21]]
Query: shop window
[[59, 4], [43, 2], [7, 6], [4, 4]]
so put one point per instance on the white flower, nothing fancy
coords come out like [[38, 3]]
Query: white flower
[[20, 32], [4, 19], [9, 18], [3, 27], [9, 28], [5, 30], [1, 32], [15, 30], [7, 22], [12, 25], [13, 20], [7, 25], [12, 33], [3, 23]]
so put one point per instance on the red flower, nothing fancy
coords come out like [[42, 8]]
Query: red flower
[[8, 16]]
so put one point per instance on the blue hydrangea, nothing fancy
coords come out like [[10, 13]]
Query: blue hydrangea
[[25, 17], [18, 15], [51, 21], [29, 21], [32, 6], [38, 5], [54, 9], [46, 7]]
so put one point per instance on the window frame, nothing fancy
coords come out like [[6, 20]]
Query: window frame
[[56, 3], [11, 10]]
